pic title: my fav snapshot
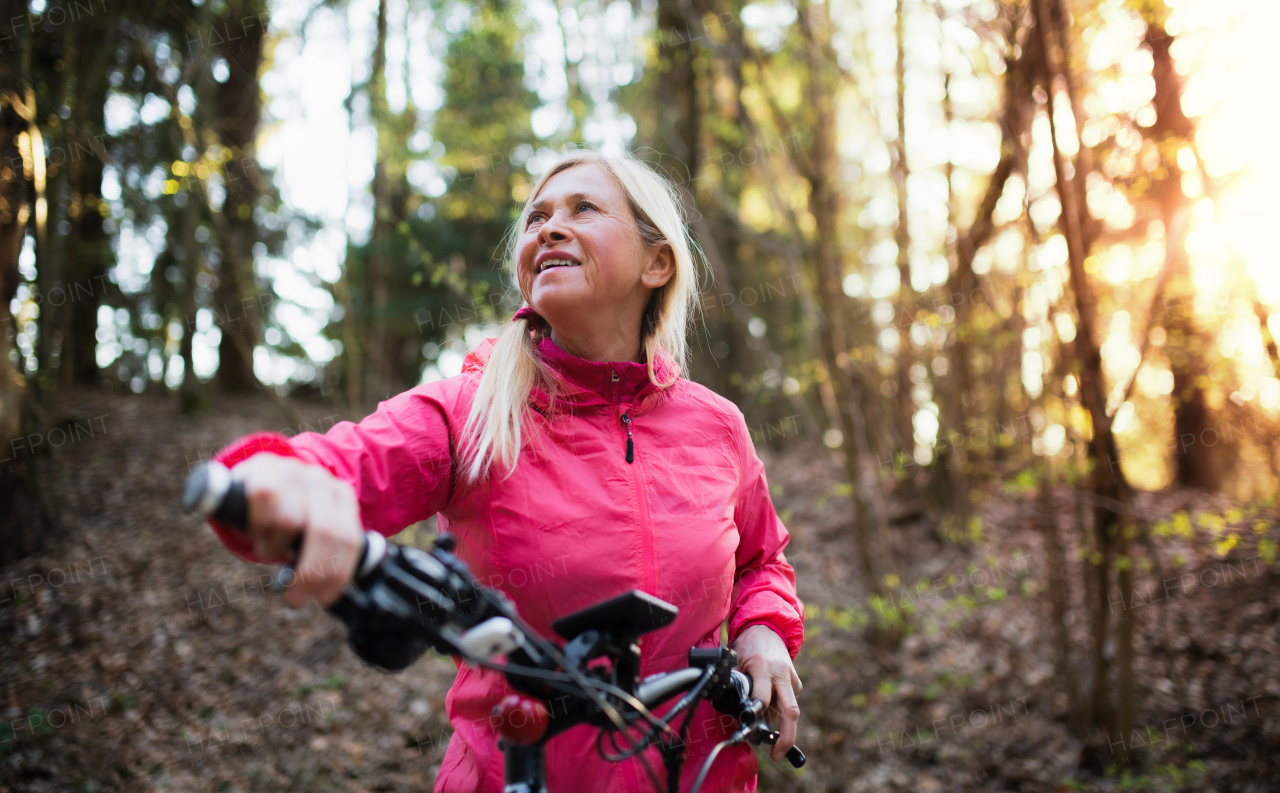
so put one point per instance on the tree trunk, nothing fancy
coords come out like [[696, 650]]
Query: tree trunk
[[1057, 562], [819, 168], [957, 387], [679, 118], [191, 394], [1011, 397], [238, 110], [675, 137], [89, 253], [22, 153], [51, 257], [1122, 722], [1187, 343], [1110, 490], [717, 228], [378, 274], [1061, 21], [1059, 590], [906, 311]]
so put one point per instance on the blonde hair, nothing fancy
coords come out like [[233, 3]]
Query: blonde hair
[[492, 432]]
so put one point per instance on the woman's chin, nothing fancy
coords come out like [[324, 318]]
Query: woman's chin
[[556, 299]]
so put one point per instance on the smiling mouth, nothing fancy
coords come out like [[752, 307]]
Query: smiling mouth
[[549, 263]]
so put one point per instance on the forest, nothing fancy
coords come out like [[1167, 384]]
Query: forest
[[987, 278]]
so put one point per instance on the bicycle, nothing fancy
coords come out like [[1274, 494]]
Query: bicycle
[[403, 600]]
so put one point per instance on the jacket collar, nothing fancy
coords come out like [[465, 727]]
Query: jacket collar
[[586, 383]]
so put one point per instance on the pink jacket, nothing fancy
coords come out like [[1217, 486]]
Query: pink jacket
[[689, 521]]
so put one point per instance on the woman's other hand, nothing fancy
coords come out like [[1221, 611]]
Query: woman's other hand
[[763, 656], [287, 497]]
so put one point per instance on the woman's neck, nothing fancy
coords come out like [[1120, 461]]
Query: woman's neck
[[607, 350]]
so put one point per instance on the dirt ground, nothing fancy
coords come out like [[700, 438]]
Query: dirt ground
[[138, 655]]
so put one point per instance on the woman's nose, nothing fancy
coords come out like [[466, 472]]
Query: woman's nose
[[553, 230]]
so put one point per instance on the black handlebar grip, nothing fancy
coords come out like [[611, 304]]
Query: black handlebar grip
[[234, 509], [210, 492]]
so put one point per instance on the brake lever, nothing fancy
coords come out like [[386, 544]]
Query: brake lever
[[756, 724], [761, 733], [794, 755]]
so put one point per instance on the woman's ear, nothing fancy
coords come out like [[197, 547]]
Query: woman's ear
[[660, 267]]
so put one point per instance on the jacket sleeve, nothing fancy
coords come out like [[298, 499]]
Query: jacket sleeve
[[399, 460], [764, 590]]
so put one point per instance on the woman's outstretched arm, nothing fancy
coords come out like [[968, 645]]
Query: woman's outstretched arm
[[392, 469]]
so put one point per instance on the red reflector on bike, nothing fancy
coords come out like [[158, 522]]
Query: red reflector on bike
[[521, 720]]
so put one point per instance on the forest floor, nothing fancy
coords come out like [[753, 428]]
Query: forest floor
[[138, 655]]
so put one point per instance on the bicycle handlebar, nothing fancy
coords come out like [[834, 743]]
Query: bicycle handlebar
[[402, 601]]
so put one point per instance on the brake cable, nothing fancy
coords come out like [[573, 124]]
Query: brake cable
[[691, 698]]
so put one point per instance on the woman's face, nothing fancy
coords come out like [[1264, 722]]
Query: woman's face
[[580, 253]]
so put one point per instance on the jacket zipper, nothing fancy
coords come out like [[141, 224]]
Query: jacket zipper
[[649, 575], [631, 448]]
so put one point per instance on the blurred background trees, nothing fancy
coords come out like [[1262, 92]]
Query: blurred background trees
[[964, 243]]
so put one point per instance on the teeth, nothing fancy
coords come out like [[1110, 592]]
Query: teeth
[[556, 263]]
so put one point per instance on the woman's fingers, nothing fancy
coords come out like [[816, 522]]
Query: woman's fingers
[[332, 545], [762, 686], [789, 714], [277, 506], [778, 690], [764, 658], [288, 498]]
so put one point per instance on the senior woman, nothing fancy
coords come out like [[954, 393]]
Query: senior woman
[[572, 463]]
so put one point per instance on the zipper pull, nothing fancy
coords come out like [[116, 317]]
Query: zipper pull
[[631, 449]]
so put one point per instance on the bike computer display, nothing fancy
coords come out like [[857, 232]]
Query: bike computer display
[[632, 613]]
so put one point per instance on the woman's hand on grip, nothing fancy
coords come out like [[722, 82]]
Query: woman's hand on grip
[[287, 498], [763, 656]]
